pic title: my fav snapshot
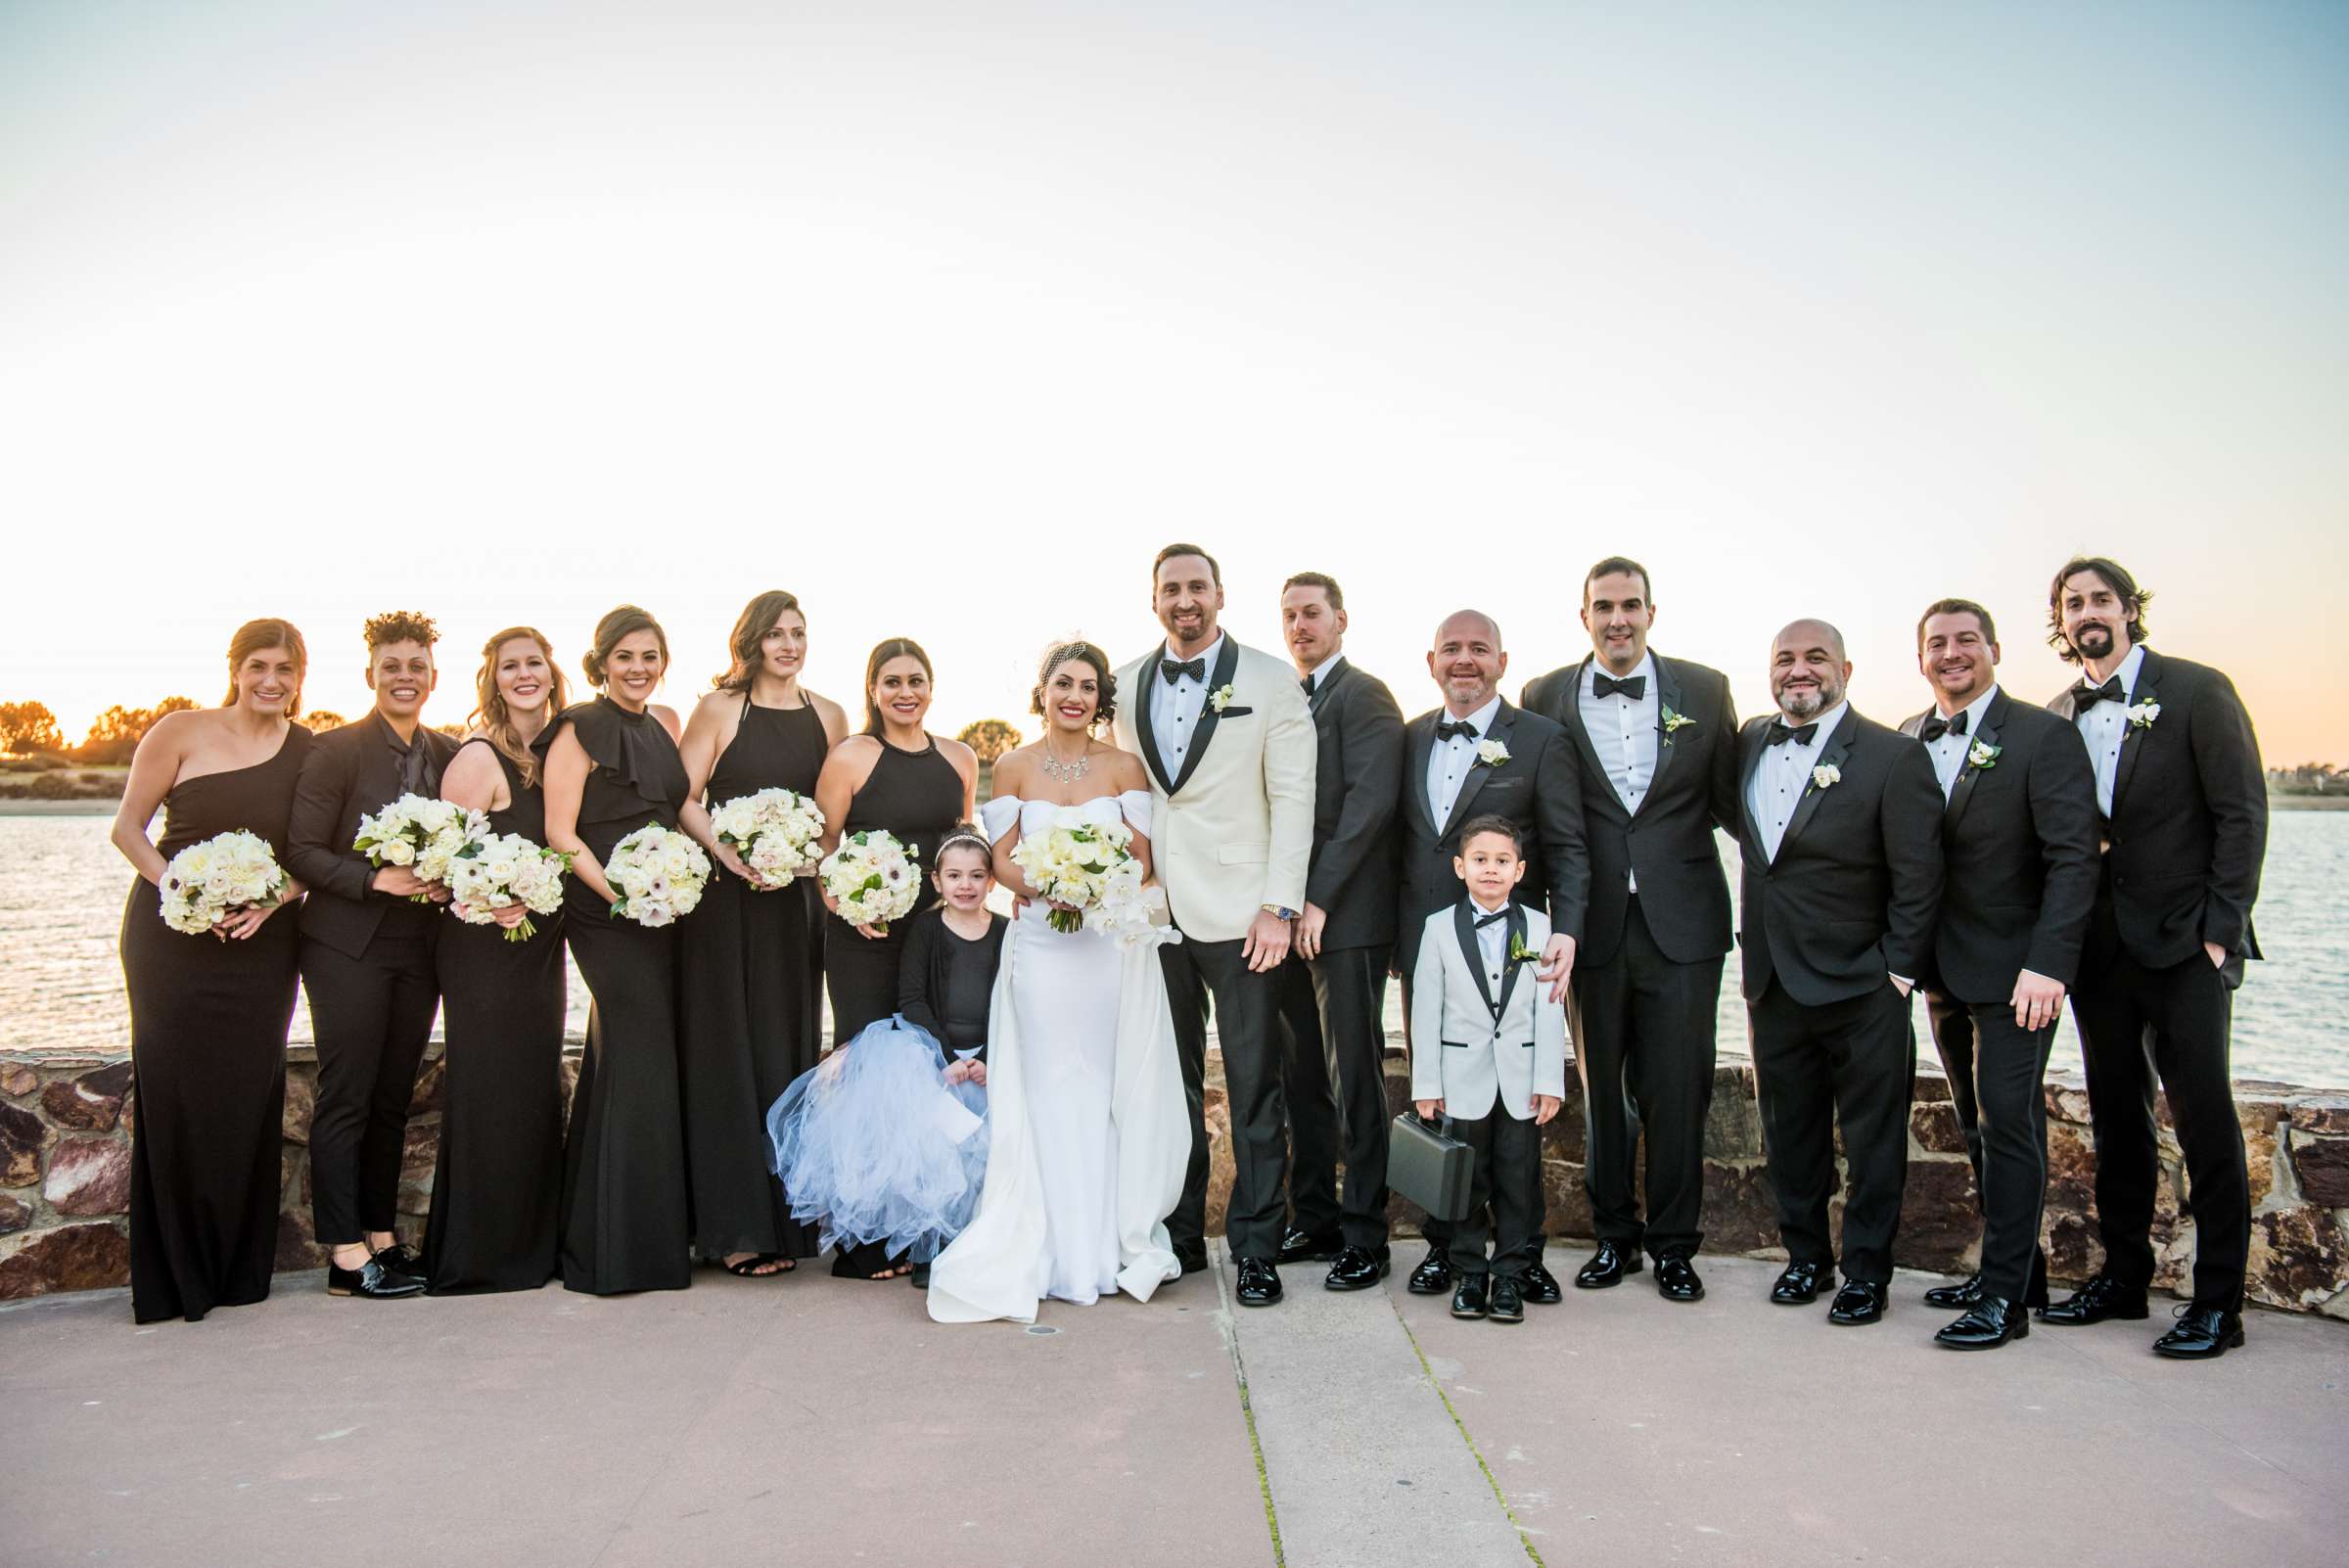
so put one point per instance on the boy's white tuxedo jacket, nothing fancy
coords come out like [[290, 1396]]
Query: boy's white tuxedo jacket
[[1468, 1051]]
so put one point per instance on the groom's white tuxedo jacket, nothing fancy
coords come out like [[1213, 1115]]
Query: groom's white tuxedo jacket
[[1475, 1040], [1232, 829]]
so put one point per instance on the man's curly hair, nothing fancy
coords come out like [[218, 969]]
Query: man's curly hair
[[400, 625]]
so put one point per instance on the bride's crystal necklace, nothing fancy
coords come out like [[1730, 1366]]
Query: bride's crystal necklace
[[1066, 773]]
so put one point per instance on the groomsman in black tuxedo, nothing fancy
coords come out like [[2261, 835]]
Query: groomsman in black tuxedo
[[1477, 756], [2018, 839], [1841, 842], [1334, 986], [1658, 743], [367, 958], [2185, 807]]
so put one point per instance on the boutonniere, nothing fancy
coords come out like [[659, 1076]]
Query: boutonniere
[[1490, 753], [1221, 697], [1983, 755], [1519, 952], [1826, 775], [2141, 715], [1672, 722]]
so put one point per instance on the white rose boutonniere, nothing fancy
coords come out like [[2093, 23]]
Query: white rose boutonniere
[[1826, 775], [1221, 697], [1490, 753], [1983, 755], [2141, 715], [1672, 722]]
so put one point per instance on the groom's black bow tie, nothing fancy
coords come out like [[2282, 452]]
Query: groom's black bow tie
[[1484, 920], [1305, 685], [1779, 734], [1175, 668], [1935, 727], [2086, 696], [1604, 684], [1454, 728]]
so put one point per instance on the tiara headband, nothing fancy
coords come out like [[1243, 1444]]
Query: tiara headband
[[963, 836]]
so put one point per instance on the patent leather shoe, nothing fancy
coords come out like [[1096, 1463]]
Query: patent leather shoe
[[1539, 1285], [2100, 1297], [2202, 1333], [1856, 1303], [1433, 1277], [1358, 1268], [372, 1280], [1797, 1285], [1987, 1323], [1298, 1246], [1962, 1294], [400, 1258], [1468, 1301], [1608, 1267], [1506, 1303], [1677, 1280], [1259, 1283]]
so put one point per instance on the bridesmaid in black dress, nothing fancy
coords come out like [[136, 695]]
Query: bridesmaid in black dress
[[612, 767], [497, 1186], [208, 1014], [752, 955], [898, 777]]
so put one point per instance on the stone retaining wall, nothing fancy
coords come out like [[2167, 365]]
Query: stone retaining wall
[[65, 1177]]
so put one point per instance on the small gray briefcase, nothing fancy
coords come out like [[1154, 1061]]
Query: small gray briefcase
[[1430, 1167]]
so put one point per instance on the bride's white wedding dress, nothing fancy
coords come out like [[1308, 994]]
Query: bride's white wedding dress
[[1087, 1131]]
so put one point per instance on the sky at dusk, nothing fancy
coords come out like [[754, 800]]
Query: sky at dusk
[[945, 317]]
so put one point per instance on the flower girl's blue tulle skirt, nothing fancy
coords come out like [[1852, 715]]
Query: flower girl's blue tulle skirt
[[874, 1144]]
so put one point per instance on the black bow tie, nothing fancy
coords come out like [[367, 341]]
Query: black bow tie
[[1604, 684], [1935, 726], [1454, 728], [1779, 734], [2086, 696], [1484, 920], [1175, 668], [1305, 685]]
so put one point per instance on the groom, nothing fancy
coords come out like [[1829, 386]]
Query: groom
[[1229, 744]]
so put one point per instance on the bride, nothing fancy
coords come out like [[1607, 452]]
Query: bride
[[1088, 1136]]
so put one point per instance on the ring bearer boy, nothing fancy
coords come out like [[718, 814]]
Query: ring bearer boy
[[1489, 1051]]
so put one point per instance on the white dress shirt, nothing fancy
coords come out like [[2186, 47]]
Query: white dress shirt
[[1175, 706], [1622, 730], [1783, 775], [1448, 762], [2104, 725], [1491, 943], [1324, 675], [1949, 753]]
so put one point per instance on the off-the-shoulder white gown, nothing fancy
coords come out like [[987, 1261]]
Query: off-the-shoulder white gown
[[1088, 1136]]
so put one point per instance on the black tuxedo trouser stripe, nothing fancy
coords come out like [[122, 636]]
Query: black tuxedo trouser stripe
[[1505, 1196], [371, 1017], [2139, 1026], [1995, 1070], [1333, 1081], [1644, 1031], [1247, 1022], [1852, 1062]]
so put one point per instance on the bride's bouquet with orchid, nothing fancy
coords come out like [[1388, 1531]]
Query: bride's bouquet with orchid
[[1087, 866], [496, 870], [420, 833], [774, 831], [218, 877], [871, 879], [659, 874]]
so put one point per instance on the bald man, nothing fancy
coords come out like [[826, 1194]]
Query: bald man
[[1841, 843], [1477, 756]]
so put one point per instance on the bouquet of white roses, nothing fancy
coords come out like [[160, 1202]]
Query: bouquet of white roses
[[871, 879], [659, 874], [774, 831], [208, 882], [420, 833], [496, 869], [1086, 865]]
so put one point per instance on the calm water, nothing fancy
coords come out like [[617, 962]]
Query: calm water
[[62, 887]]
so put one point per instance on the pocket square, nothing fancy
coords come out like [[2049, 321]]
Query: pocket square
[[1235, 711]]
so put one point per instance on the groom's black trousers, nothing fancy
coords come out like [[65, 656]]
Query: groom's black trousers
[[1247, 1024], [1333, 1083]]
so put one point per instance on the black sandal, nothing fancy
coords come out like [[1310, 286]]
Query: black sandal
[[756, 1266]]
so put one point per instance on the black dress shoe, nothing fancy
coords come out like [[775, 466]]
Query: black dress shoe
[[1608, 1267], [2202, 1333], [1858, 1301], [1299, 1247], [1539, 1285], [1797, 1285], [372, 1280], [1259, 1283], [1675, 1281], [1432, 1278], [1470, 1300], [1964, 1294], [2100, 1297], [1506, 1302], [400, 1258], [1358, 1268], [1990, 1321], [1192, 1257]]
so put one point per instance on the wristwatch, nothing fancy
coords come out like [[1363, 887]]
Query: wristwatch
[[1279, 912]]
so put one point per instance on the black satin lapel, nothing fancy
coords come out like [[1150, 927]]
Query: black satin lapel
[[1509, 968], [1963, 790], [1418, 746], [1839, 747], [1217, 679], [1570, 714], [1747, 766], [1321, 697], [1142, 726], [1474, 784], [2132, 738], [1668, 695], [1463, 926]]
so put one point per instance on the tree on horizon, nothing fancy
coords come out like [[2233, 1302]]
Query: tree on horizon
[[28, 727]]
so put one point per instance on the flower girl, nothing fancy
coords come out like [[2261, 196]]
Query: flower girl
[[884, 1141]]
